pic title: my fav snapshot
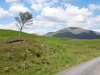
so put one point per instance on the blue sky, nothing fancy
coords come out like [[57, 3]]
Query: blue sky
[[51, 15]]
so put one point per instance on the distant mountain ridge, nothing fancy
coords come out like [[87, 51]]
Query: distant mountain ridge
[[75, 32]]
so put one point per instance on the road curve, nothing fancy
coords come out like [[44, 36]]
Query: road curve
[[91, 67]]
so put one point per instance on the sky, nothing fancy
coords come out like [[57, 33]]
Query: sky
[[51, 15]]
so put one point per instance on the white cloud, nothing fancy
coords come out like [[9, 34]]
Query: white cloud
[[97, 18], [46, 24], [52, 18], [37, 1], [4, 14], [50, 3], [70, 16], [55, 1], [96, 30], [41, 1], [74, 10], [94, 7], [42, 26], [12, 1], [37, 31], [30, 1], [68, 0], [71, 13], [35, 28], [53, 14], [11, 26], [16, 8], [37, 7]]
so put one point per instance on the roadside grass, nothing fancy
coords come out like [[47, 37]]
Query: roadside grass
[[43, 55]]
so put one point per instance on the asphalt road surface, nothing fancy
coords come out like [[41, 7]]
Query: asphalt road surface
[[91, 67]]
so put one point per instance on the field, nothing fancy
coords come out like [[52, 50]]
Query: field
[[43, 55]]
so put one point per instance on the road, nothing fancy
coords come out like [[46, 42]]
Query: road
[[91, 67]]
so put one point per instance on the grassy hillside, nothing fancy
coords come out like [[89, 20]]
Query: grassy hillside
[[43, 55]]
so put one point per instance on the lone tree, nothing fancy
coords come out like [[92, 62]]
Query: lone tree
[[23, 20]]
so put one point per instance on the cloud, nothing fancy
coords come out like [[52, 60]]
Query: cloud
[[53, 14], [96, 30], [77, 21], [4, 14], [12, 1], [37, 7], [37, 31], [71, 13], [55, 18], [75, 10], [94, 7], [11, 26], [16, 8], [71, 16], [46, 24], [36, 1], [43, 26], [39, 27], [41, 1], [68, 0], [51, 17], [30, 1]]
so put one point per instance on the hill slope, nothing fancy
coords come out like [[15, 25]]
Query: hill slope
[[42, 55], [75, 32]]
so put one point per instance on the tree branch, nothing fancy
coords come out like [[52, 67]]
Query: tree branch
[[17, 26]]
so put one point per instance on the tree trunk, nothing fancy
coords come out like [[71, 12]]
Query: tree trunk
[[20, 31]]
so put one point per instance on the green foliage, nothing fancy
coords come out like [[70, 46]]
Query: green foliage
[[6, 69], [43, 55]]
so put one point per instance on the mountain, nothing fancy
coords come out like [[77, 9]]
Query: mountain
[[75, 32]]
